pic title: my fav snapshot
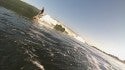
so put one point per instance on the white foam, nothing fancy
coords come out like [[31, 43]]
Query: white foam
[[38, 64]]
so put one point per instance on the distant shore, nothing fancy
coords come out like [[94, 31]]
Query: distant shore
[[113, 56]]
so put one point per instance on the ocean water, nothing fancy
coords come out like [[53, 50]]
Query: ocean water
[[25, 45]]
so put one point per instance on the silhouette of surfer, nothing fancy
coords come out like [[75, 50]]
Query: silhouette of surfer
[[40, 14], [42, 11]]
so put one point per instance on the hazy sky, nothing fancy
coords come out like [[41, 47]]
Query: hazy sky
[[100, 22]]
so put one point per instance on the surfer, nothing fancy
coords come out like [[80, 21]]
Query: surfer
[[42, 11]]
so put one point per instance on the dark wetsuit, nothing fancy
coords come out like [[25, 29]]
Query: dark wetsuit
[[42, 11]]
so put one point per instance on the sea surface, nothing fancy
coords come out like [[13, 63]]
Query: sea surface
[[25, 45]]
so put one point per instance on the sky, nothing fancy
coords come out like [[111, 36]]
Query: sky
[[100, 22]]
